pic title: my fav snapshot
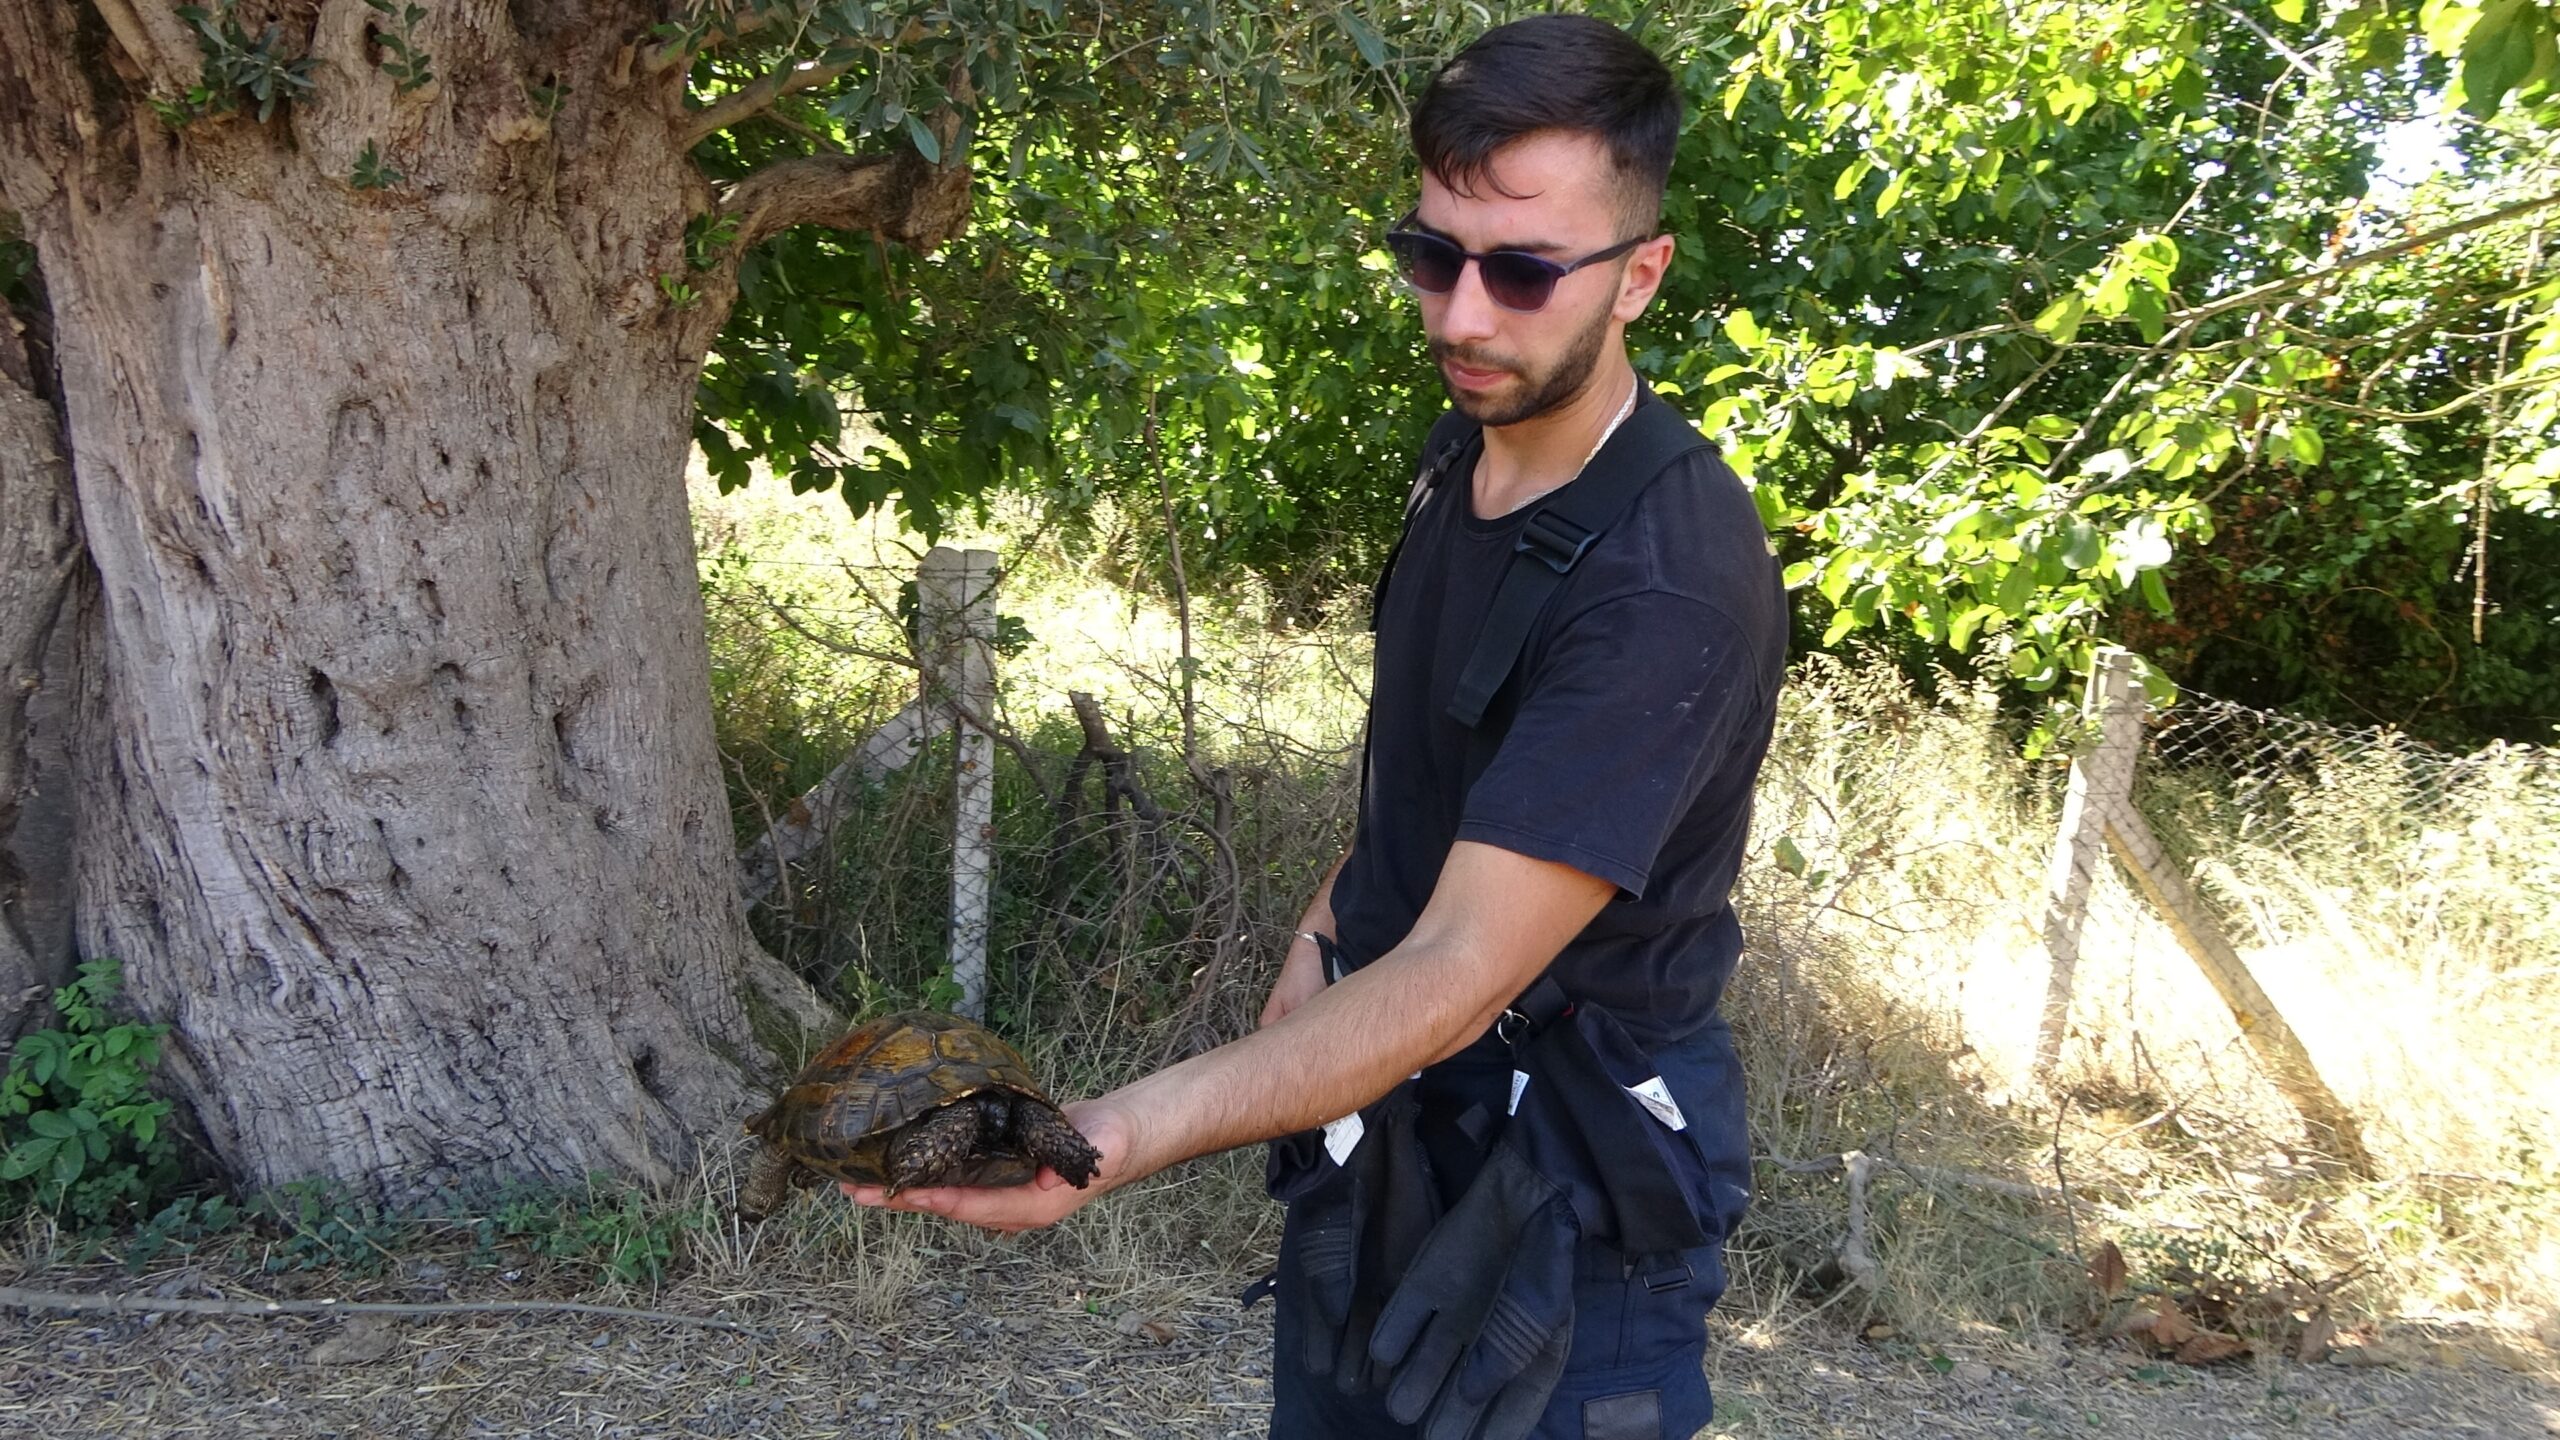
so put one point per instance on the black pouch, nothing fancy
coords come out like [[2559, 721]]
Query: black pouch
[[1356, 1222], [1634, 1180]]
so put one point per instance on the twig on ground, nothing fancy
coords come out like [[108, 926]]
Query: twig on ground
[[77, 1302]]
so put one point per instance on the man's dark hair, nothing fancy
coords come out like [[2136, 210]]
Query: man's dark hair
[[1552, 72]]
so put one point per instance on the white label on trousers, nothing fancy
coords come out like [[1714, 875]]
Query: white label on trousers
[[1656, 1097], [1519, 1082], [1342, 1136]]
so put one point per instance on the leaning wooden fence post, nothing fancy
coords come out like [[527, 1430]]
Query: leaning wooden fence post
[[2099, 818], [956, 605], [2101, 778]]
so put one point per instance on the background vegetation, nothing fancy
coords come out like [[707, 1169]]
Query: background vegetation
[[1886, 1008], [2228, 329], [2231, 331]]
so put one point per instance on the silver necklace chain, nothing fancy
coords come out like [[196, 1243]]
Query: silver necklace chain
[[1614, 422], [1619, 418]]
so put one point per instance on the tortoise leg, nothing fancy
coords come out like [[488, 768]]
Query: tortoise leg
[[1045, 1136], [933, 1147], [768, 1184]]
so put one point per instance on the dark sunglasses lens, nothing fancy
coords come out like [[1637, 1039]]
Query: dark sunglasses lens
[[1516, 282], [1427, 262]]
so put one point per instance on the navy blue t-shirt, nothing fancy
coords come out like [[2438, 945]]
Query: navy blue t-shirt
[[1624, 744]]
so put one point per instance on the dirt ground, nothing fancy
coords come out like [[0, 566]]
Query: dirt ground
[[1011, 1349]]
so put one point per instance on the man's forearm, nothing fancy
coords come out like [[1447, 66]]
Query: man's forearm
[[1493, 924]]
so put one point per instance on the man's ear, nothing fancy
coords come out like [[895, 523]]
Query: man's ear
[[1647, 264]]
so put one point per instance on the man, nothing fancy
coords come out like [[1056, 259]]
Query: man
[[1586, 828]]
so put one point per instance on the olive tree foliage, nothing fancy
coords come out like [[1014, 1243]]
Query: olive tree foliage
[[2036, 329], [1169, 283]]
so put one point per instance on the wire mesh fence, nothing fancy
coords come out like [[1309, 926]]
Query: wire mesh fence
[[2272, 775]]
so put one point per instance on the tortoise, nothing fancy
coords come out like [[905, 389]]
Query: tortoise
[[910, 1099]]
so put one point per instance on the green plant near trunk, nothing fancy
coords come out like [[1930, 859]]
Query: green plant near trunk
[[82, 1130]]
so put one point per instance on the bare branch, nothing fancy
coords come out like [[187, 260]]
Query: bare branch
[[753, 100], [2260, 294], [2384, 415], [2291, 56], [15, 1297], [898, 198]]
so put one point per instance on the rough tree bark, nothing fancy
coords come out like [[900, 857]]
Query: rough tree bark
[[402, 806], [39, 559]]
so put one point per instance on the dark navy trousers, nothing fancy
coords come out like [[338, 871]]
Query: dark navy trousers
[[1637, 1367]]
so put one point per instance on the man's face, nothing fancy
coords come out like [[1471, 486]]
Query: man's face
[[1502, 366]]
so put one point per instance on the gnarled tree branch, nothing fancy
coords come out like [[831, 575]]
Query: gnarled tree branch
[[898, 198], [753, 100]]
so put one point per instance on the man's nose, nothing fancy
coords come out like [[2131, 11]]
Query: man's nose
[[1467, 313]]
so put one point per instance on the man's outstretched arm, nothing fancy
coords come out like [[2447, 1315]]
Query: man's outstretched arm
[[1494, 923]]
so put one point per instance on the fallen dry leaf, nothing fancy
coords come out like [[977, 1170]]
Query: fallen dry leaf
[[2172, 1330], [2107, 1270], [2207, 1347], [1134, 1322], [2313, 1347]]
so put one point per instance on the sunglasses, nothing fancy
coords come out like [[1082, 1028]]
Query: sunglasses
[[1515, 279]]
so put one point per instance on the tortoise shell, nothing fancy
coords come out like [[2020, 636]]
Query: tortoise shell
[[840, 1118]]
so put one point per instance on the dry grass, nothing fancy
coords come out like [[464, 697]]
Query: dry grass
[[2405, 935], [1887, 1008], [1889, 1003]]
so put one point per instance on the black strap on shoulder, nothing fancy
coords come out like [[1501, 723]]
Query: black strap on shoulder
[[1557, 535], [1450, 436]]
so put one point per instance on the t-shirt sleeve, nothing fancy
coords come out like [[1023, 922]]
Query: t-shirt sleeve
[[1628, 714]]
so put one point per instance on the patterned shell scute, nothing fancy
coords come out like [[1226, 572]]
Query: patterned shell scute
[[900, 1067]]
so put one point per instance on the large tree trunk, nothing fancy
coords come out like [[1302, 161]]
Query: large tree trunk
[[404, 810], [39, 560]]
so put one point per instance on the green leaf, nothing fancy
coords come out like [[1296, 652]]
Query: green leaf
[[927, 143], [2155, 593], [1960, 631], [2305, 442], [1851, 178], [2017, 587], [2061, 319], [1842, 622], [52, 1124], [2288, 11], [1743, 329], [1892, 194], [1791, 857], [1371, 46], [2498, 54], [27, 1158], [2081, 546]]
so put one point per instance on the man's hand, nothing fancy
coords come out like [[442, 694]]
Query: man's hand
[[1301, 978], [1046, 1200], [1494, 921]]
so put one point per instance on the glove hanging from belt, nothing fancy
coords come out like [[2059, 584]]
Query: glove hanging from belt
[[1474, 1338], [1359, 1224], [1363, 1200], [1480, 1328]]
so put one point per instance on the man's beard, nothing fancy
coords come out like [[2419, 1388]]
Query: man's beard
[[1540, 393]]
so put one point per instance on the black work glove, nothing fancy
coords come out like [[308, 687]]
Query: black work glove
[[1480, 1327], [1355, 1229]]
